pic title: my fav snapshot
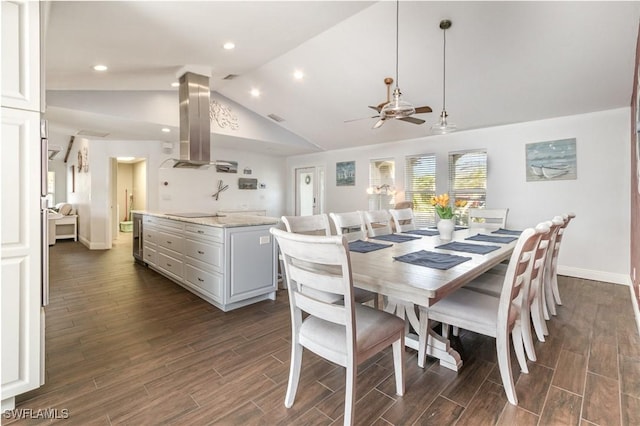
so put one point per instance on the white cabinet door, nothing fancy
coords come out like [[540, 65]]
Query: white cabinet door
[[251, 260], [21, 54], [21, 256]]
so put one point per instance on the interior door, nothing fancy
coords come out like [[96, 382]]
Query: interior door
[[309, 191]]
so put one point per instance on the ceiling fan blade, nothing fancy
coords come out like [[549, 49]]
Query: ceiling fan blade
[[423, 109], [361, 118], [412, 120], [378, 108], [378, 123]]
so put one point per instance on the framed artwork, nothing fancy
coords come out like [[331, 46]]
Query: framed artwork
[[227, 166], [551, 160], [346, 173]]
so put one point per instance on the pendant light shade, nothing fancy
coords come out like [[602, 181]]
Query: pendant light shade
[[443, 127], [397, 108]]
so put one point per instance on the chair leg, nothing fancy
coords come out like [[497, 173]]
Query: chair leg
[[376, 301], [539, 324], [455, 331], [398, 364], [527, 337], [554, 287], [294, 374], [548, 296], [350, 394], [445, 330], [423, 335], [516, 335], [504, 363]]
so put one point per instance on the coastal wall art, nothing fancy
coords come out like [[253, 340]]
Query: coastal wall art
[[346, 173], [551, 160]]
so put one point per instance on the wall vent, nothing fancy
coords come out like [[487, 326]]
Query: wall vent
[[92, 133], [276, 118]]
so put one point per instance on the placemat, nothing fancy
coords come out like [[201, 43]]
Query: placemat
[[507, 232], [455, 228], [492, 239], [432, 259], [395, 238], [469, 248], [426, 232], [360, 246]]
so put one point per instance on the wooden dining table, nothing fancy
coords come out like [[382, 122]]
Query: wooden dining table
[[407, 286]]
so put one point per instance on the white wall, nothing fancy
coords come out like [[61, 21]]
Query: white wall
[[597, 241]]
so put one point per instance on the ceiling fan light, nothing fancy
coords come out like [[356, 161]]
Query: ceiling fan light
[[397, 108], [443, 127]]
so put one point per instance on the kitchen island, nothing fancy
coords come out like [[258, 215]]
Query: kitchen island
[[229, 260]]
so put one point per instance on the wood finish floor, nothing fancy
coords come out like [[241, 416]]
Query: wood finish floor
[[127, 346]]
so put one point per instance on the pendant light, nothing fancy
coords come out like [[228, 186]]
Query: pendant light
[[443, 127], [397, 108]]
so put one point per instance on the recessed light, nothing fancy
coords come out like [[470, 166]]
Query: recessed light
[[298, 75], [175, 84], [255, 93], [166, 130], [100, 67], [229, 46]]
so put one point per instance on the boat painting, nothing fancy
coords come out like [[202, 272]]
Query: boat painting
[[552, 160]]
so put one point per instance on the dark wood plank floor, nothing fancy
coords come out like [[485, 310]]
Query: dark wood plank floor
[[127, 346]]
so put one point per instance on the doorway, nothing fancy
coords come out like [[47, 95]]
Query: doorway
[[128, 192], [310, 188]]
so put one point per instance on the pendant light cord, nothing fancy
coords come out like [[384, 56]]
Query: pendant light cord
[[397, 36], [444, 67]]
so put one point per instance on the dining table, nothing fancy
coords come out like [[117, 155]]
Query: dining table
[[407, 286]]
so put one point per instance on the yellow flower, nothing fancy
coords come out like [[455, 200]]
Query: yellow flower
[[444, 210]]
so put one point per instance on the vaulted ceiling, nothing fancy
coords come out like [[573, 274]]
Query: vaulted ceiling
[[506, 62]]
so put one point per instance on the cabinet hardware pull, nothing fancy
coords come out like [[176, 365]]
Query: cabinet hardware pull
[[168, 242], [200, 279], [200, 252], [200, 232], [169, 265]]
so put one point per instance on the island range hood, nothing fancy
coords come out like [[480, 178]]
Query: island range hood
[[195, 122]]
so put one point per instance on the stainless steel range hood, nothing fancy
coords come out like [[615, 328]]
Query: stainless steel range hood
[[195, 123]]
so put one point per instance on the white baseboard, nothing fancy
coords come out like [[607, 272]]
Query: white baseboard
[[93, 246], [636, 308], [590, 274]]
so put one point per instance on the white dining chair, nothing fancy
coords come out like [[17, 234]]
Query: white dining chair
[[488, 218], [403, 219], [349, 224], [319, 225], [347, 334], [377, 222], [489, 315], [552, 293]]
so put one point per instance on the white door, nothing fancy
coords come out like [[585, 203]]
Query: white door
[[309, 191]]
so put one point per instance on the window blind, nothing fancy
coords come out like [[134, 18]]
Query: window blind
[[420, 187], [468, 181]]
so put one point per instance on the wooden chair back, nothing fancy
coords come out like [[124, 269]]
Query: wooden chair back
[[317, 224], [349, 224], [403, 219], [377, 222], [488, 218]]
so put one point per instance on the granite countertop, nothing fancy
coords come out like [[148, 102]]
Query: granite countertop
[[222, 221]]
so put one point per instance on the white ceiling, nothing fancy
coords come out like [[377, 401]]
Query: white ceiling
[[507, 62]]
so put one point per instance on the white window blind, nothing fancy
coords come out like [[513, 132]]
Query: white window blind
[[468, 181], [420, 187]]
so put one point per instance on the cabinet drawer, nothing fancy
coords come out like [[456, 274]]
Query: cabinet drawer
[[211, 253], [210, 283], [209, 232], [149, 255], [170, 241], [170, 264], [150, 236]]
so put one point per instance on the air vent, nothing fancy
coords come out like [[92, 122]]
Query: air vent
[[276, 118], [230, 77], [92, 133]]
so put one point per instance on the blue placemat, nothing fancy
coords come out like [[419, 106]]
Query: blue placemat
[[469, 248], [456, 228], [431, 259], [396, 238], [360, 246], [492, 239], [426, 232], [507, 232]]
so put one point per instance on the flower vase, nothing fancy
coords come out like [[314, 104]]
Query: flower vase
[[445, 228]]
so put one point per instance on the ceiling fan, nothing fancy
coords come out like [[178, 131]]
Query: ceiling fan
[[382, 117]]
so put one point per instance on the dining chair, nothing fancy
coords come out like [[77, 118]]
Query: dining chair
[[529, 308], [552, 293], [403, 219], [377, 222], [347, 334], [349, 224], [488, 315], [319, 225], [403, 205], [488, 218]]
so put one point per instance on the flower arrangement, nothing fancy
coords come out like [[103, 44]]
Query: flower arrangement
[[444, 210]]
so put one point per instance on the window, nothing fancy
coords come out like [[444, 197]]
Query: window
[[382, 188], [51, 189], [420, 187], [468, 181]]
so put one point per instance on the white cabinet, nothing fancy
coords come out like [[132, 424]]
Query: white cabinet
[[22, 243], [228, 267]]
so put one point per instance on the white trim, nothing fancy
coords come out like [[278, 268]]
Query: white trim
[[590, 274], [636, 308]]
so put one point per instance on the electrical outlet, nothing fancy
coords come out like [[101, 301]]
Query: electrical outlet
[[265, 239]]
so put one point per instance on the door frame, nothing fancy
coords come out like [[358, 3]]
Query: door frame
[[318, 173]]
